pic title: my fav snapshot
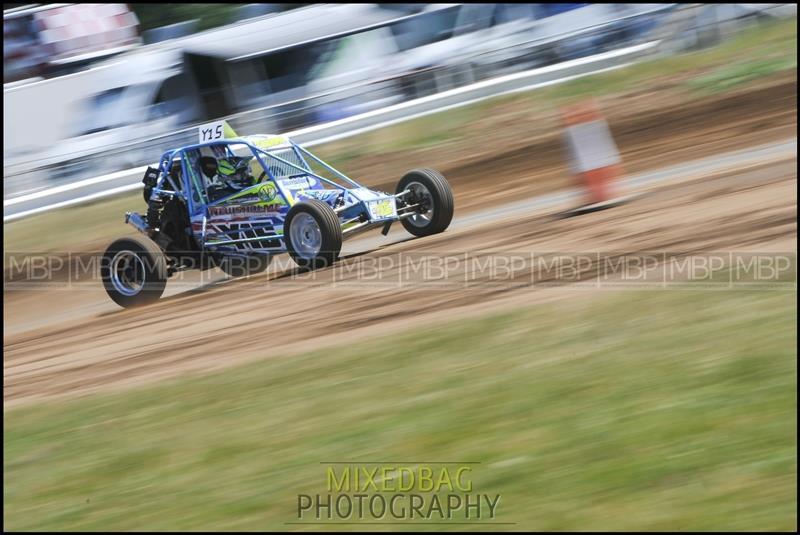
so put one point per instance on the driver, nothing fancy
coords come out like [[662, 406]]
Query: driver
[[227, 173]]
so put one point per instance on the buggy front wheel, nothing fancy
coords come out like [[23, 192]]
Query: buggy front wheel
[[429, 197], [313, 234]]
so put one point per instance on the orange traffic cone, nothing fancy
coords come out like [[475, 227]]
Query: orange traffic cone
[[594, 158]]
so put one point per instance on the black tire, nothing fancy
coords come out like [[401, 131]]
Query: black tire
[[243, 266], [439, 201], [330, 234], [150, 270]]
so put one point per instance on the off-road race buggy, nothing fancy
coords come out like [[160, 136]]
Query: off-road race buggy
[[235, 202]]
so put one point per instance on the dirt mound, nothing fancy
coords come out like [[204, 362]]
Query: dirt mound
[[647, 139]]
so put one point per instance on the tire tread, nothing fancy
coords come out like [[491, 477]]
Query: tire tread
[[443, 199], [154, 287]]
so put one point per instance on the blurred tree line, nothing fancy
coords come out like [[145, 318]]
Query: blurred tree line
[[207, 15]]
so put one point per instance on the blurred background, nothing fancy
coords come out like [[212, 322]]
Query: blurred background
[[91, 89]]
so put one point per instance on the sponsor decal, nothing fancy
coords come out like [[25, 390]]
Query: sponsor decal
[[320, 194], [295, 183], [244, 230], [244, 209], [250, 196], [267, 192], [382, 208]]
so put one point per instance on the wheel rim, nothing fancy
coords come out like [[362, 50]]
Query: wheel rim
[[127, 273], [421, 195], [306, 236]]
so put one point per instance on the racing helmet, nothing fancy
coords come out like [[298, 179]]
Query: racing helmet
[[225, 167], [235, 170]]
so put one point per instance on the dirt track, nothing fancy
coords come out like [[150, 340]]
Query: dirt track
[[68, 342]]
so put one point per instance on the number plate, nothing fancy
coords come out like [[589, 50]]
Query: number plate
[[382, 209], [211, 131]]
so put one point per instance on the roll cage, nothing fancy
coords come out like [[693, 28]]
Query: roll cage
[[190, 181]]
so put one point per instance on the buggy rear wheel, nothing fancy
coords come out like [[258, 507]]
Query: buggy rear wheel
[[134, 271], [432, 198]]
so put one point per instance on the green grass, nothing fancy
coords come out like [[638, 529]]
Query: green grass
[[661, 410], [772, 45], [746, 57], [725, 78], [62, 229]]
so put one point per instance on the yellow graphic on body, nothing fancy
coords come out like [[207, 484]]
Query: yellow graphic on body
[[267, 193], [271, 141], [256, 169], [383, 208], [228, 132]]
